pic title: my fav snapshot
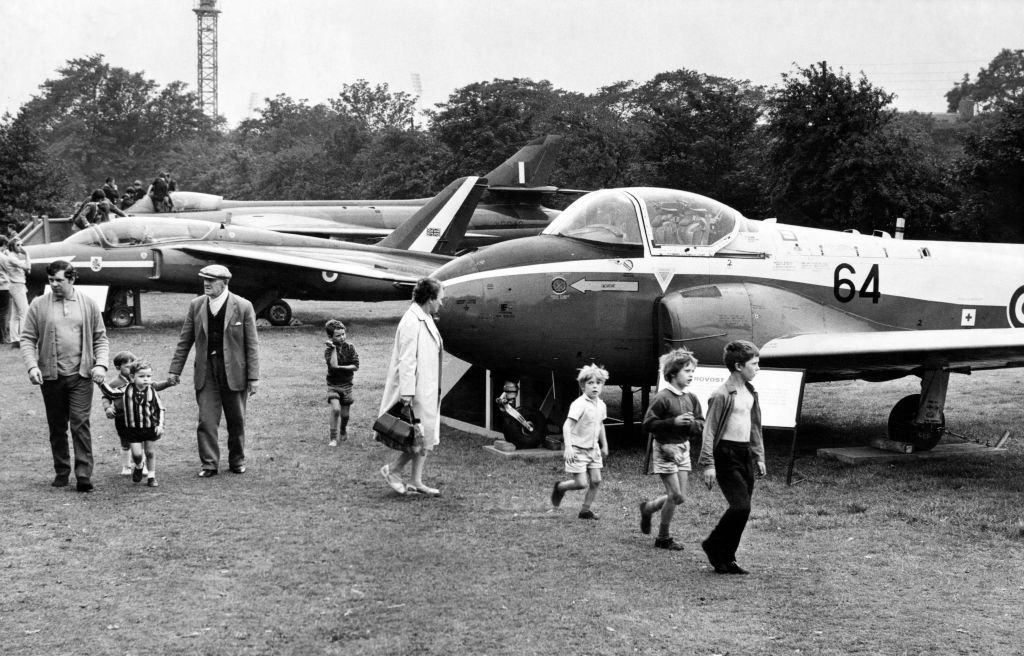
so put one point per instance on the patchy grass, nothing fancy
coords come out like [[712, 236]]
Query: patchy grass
[[310, 553]]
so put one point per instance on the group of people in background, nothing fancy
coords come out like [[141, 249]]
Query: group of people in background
[[107, 200]]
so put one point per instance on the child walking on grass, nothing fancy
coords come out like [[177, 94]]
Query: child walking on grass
[[673, 417], [342, 363], [113, 405], [585, 442], [143, 419], [732, 452]]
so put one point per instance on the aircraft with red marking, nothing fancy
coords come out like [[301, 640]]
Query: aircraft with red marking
[[512, 206], [624, 275], [167, 254]]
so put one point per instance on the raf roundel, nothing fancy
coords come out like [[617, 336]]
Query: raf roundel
[[558, 285], [1015, 310]]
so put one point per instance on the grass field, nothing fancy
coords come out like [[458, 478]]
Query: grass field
[[310, 553]]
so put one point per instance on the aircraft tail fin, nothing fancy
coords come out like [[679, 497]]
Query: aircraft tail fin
[[439, 226], [530, 166]]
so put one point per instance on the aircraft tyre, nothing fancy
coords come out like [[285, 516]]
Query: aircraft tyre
[[902, 428], [120, 316], [278, 313], [522, 438]]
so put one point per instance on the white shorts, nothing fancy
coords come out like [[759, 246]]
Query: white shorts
[[584, 459], [670, 458]]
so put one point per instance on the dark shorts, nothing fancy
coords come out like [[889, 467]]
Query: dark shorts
[[138, 435], [122, 432], [343, 394]]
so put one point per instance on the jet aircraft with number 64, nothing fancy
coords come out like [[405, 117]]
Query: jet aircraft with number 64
[[623, 275]]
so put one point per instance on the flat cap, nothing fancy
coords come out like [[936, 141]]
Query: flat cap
[[215, 272]]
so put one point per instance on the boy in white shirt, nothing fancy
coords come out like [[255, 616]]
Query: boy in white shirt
[[585, 442]]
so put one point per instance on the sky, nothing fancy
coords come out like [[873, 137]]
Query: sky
[[308, 49]]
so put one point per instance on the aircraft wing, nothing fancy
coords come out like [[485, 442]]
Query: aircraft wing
[[892, 354], [309, 226], [385, 267]]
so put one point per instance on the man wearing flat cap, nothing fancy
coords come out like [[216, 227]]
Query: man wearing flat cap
[[222, 326]]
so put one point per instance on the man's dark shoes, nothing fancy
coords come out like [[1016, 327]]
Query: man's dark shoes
[[207, 473], [667, 543], [645, 519], [733, 568], [84, 485], [240, 469], [556, 496], [586, 514], [720, 567], [59, 481]]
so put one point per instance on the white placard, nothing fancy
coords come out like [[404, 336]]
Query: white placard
[[779, 392]]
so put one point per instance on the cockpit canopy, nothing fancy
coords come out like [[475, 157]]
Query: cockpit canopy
[[137, 231], [665, 218]]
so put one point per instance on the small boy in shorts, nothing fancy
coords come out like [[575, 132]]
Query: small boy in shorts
[[113, 405], [673, 417], [144, 420], [342, 364], [585, 442]]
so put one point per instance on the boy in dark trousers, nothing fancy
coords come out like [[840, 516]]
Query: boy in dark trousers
[[732, 451], [342, 363], [673, 417]]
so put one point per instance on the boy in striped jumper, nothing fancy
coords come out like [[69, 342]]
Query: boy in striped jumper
[[143, 418]]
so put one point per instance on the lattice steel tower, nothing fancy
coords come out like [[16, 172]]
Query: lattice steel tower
[[206, 66]]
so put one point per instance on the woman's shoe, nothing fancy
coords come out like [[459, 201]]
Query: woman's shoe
[[393, 481], [424, 489]]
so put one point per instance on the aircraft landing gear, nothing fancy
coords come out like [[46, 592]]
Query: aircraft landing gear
[[278, 313], [121, 316], [919, 419]]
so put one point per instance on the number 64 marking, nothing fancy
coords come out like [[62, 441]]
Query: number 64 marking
[[845, 289]]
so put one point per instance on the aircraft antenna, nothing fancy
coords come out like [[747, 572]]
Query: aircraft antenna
[[206, 64]]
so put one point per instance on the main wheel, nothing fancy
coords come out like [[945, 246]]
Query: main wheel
[[522, 438], [121, 316], [278, 313], [903, 429]]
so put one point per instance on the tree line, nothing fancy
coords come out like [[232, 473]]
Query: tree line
[[823, 148]]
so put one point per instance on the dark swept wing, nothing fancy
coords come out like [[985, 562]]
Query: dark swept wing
[[891, 354], [394, 266]]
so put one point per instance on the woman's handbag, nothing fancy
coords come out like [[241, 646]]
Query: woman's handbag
[[398, 428]]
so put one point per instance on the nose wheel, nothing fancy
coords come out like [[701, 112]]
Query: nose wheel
[[525, 436]]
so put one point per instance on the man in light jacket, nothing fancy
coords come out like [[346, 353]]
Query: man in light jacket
[[64, 346]]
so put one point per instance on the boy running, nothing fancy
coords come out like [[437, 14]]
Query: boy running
[[342, 364], [673, 417], [585, 440]]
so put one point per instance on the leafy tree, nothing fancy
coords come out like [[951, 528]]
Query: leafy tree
[[376, 108], [400, 164], [295, 150], [31, 181], [697, 133], [1000, 82], [833, 157], [103, 120], [992, 173], [483, 122]]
